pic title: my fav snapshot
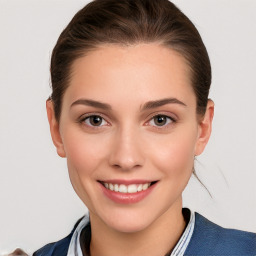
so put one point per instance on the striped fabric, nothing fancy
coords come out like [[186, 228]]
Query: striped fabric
[[180, 248], [182, 245]]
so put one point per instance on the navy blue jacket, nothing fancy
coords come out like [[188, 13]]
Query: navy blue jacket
[[207, 239]]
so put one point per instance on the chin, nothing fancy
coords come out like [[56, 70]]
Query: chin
[[128, 222], [130, 227]]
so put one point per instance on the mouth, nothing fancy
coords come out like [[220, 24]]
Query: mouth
[[127, 192], [127, 188]]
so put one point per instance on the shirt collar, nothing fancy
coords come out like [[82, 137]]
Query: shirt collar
[[75, 248], [182, 244]]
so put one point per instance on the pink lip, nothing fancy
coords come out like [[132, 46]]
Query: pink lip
[[127, 198]]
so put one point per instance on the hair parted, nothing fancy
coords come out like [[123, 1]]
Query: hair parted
[[130, 22]]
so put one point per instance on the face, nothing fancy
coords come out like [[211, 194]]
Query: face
[[129, 131]]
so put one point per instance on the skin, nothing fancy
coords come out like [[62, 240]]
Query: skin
[[129, 144]]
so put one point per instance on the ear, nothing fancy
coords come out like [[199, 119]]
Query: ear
[[55, 130], [205, 128]]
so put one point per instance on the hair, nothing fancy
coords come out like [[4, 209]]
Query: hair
[[130, 22]]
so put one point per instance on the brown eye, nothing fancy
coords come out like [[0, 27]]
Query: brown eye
[[160, 120], [95, 121]]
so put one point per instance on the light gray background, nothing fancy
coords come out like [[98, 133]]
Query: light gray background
[[37, 202]]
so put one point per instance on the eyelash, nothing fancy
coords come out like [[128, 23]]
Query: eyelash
[[87, 117]]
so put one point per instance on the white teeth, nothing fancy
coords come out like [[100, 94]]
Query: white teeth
[[139, 188], [145, 186], [122, 188], [111, 187], [132, 188], [116, 187]]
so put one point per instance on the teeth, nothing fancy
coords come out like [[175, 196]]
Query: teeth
[[145, 186], [122, 188], [139, 188], [116, 187], [132, 188]]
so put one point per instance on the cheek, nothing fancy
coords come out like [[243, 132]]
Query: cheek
[[84, 152], [174, 155]]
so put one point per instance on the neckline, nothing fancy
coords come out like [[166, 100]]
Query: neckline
[[82, 236]]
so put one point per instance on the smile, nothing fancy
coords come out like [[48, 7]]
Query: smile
[[132, 188], [127, 192]]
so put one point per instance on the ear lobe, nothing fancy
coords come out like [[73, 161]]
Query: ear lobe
[[54, 129], [205, 128]]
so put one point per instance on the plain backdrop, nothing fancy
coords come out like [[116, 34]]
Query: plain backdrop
[[37, 202]]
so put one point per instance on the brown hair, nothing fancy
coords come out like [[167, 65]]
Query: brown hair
[[128, 22]]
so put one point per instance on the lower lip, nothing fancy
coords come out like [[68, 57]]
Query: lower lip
[[127, 198]]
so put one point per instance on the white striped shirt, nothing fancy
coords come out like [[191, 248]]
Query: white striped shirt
[[179, 250]]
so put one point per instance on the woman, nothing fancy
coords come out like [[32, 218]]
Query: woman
[[130, 112]]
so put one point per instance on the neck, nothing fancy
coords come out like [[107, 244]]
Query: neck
[[157, 239]]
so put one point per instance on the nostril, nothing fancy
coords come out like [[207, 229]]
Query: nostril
[[126, 155]]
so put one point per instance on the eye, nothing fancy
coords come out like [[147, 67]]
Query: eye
[[94, 120], [160, 120]]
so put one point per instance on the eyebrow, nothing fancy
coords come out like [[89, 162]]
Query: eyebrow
[[91, 103], [162, 102], [146, 106]]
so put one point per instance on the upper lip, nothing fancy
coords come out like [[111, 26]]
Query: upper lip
[[127, 182]]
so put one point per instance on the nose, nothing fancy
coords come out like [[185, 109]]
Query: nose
[[126, 152]]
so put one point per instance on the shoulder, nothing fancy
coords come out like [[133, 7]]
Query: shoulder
[[58, 248], [211, 239]]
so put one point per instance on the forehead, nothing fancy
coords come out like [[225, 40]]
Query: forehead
[[145, 71]]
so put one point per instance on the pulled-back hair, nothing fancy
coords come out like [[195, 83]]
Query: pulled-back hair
[[130, 22]]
